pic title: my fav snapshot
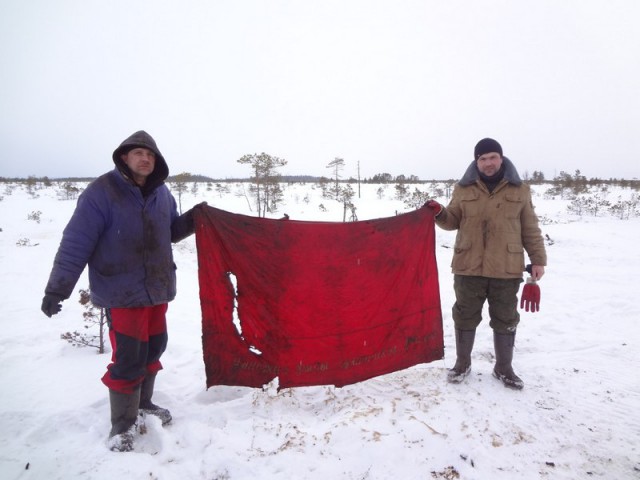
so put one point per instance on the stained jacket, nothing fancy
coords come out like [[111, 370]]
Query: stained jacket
[[494, 228], [123, 233]]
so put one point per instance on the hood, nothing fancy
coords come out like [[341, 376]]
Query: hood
[[472, 175], [144, 140]]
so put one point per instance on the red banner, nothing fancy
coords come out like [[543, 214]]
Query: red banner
[[316, 303]]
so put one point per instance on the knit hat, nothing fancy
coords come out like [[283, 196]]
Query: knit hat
[[486, 145]]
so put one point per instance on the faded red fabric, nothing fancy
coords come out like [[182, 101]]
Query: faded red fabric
[[318, 303]]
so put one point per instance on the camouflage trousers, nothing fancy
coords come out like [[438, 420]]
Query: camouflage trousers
[[471, 294]]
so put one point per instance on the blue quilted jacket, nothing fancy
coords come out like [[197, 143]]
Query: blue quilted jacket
[[124, 235]]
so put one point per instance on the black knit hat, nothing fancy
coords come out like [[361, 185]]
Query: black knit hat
[[486, 145]]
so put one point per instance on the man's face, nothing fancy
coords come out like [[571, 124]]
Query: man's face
[[141, 162], [489, 163]]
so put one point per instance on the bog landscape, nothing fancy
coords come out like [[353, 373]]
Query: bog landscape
[[578, 356]]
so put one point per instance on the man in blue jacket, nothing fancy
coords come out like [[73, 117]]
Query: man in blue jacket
[[122, 228]]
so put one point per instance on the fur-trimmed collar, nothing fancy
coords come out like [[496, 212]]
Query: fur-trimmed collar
[[472, 175]]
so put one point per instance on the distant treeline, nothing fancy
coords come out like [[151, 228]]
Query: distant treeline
[[564, 179], [182, 177]]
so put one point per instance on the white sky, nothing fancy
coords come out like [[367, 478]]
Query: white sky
[[404, 87]]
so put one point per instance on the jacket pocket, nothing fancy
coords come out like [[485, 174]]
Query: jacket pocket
[[461, 252], [515, 258], [513, 205]]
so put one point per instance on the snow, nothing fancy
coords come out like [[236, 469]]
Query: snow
[[577, 416]]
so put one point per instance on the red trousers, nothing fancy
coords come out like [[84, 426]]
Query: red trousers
[[138, 340]]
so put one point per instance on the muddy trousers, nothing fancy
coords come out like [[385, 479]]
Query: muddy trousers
[[473, 292]]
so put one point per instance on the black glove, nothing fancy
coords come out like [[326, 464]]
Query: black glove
[[51, 304], [184, 226]]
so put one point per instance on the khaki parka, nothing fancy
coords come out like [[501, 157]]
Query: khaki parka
[[494, 228]]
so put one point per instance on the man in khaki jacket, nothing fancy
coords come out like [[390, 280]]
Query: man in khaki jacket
[[492, 210]]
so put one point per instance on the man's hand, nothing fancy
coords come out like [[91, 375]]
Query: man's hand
[[537, 271], [184, 225], [51, 304]]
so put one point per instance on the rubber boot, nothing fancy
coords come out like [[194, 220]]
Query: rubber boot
[[124, 413], [147, 406], [503, 371], [464, 346]]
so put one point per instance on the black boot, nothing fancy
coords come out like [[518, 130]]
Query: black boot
[[464, 346], [148, 407], [503, 371], [124, 413]]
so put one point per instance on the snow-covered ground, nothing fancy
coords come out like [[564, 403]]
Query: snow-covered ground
[[576, 418]]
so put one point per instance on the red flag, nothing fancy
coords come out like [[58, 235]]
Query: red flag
[[317, 303]]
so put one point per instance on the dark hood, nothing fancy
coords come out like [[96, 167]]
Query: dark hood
[[144, 140], [472, 175]]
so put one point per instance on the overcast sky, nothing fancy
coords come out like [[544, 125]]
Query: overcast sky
[[404, 87]]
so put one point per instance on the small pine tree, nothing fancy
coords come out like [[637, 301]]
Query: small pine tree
[[416, 200], [266, 179], [93, 317], [68, 191]]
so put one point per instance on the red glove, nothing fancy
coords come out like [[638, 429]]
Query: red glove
[[530, 299], [434, 206]]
